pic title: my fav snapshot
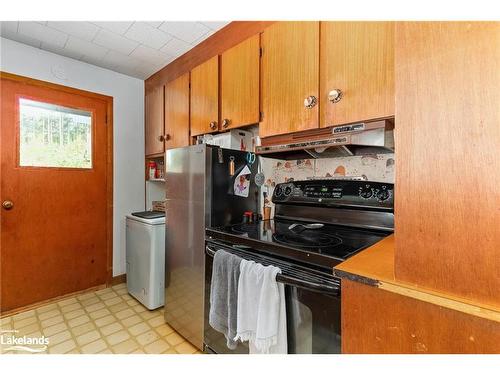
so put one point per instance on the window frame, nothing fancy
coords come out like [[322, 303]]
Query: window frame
[[17, 158]]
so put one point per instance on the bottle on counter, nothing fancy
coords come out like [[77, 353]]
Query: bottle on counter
[[152, 169]]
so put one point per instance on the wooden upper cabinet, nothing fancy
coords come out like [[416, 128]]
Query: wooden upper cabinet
[[205, 97], [357, 58], [154, 121], [240, 84], [290, 76], [177, 112]]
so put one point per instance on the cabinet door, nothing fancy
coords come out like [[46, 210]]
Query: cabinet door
[[205, 97], [240, 84], [154, 121], [357, 58], [290, 64], [177, 112]]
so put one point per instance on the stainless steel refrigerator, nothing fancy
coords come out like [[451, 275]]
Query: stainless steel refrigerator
[[200, 193]]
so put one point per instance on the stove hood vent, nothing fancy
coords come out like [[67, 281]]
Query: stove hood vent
[[347, 140]]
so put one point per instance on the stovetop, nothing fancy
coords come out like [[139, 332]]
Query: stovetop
[[324, 246]]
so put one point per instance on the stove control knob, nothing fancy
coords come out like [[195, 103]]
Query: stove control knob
[[288, 191], [278, 191], [383, 195], [366, 192]]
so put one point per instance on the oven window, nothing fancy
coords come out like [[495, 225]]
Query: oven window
[[54, 136]]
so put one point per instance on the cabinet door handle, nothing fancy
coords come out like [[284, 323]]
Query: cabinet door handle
[[310, 101], [225, 123], [335, 95], [161, 138], [213, 125], [167, 137]]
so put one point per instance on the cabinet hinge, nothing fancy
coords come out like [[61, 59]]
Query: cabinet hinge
[[261, 116]]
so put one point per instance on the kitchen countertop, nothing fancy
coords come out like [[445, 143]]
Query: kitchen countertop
[[375, 267]]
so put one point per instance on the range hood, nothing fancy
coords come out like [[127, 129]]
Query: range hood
[[362, 138]]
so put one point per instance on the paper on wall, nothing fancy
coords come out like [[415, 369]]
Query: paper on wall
[[242, 183]]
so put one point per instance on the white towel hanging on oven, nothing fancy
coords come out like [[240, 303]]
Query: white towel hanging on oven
[[261, 309]]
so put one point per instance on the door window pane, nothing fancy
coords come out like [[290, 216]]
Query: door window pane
[[54, 136]]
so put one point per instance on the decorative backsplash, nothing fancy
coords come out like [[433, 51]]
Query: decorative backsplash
[[378, 168]]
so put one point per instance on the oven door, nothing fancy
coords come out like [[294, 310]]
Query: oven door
[[312, 308]]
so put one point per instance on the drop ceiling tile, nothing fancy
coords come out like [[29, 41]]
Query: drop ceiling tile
[[203, 37], [108, 65], [154, 23], [122, 60], [115, 42], [215, 25], [83, 47], [73, 54], [151, 56], [148, 35], [118, 27], [92, 60], [176, 47], [145, 71], [129, 71], [186, 31], [82, 30], [8, 28], [21, 39], [42, 33]]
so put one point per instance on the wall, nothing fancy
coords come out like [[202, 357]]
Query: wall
[[375, 167], [128, 115]]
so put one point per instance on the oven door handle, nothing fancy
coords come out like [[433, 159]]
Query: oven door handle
[[309, 285], [295, 282], [209, 251]]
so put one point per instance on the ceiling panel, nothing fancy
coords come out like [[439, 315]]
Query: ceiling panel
[[215, 25], [82, 30], [9, 30], [42, 33], [186, 31], [148, 35], [115, 42], [77, 55], [118, 27], [89, 49], [176, 47], [135, 48], [151, 55]]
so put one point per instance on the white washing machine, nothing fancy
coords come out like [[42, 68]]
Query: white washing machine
[[145, 256]]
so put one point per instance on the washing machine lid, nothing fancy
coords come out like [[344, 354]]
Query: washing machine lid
[[148, 217]]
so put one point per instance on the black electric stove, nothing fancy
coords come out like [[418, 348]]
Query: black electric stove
[[317, 225], [318, 222]]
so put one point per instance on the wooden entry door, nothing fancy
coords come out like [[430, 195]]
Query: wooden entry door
[[56, 191]]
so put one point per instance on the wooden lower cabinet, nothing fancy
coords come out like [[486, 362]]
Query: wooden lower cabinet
[[376, 321], [177, 112]]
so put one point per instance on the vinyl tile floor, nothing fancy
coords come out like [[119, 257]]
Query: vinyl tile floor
[[105, 321]]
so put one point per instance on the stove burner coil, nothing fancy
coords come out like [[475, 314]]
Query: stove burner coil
[[307, 239]]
